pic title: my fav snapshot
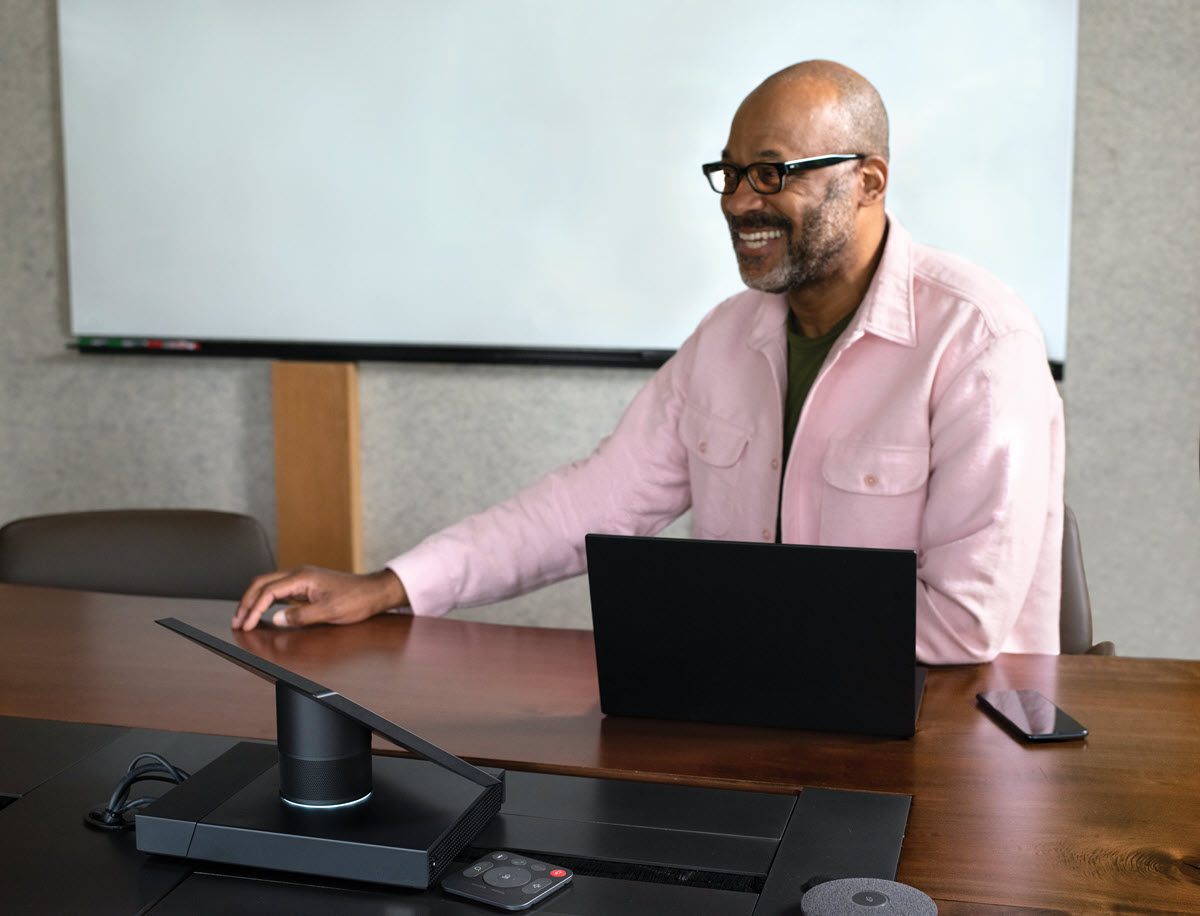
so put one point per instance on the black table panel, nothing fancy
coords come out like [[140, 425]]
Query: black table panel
[[635, 847], [37, 749], [51, 863]]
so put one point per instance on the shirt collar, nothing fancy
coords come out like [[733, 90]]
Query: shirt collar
[[887, 310]]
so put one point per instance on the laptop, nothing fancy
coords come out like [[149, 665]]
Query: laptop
[[781, 635]]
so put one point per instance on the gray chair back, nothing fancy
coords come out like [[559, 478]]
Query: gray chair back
[[174, 553], [1075, 614]]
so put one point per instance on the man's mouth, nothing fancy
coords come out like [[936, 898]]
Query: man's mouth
[[759, 238]]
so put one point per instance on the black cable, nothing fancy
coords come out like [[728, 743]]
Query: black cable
[[113, 815], [178, 774], [139, 775]]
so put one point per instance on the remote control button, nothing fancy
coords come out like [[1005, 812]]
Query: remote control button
[[506, 877], [557, 873], [499, 856], [520, 862], [477, 869], [538, 866], [536, 887]]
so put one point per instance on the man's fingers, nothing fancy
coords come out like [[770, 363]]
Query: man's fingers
[[317, 596], [265, 591], [299, 615]]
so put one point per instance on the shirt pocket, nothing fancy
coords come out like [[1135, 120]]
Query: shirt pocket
[[715, 448], [873, 495]]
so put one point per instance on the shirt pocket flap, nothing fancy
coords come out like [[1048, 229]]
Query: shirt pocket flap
[[876, 470], [716, 442]]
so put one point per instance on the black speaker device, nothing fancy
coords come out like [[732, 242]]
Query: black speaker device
[[319, 802]]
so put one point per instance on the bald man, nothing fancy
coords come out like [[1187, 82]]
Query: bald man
[[865, 391]]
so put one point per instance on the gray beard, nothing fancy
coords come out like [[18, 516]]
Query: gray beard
[[814, 247]]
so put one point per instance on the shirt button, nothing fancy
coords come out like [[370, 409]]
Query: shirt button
[[870, 480], [702, 447], [774, 464], [766, 535]]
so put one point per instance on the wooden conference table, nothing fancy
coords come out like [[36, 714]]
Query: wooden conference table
[[1108, 824]]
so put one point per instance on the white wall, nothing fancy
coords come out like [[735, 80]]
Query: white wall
[[442, 440]]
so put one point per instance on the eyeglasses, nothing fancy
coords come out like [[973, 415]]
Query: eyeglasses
[[767, 177]]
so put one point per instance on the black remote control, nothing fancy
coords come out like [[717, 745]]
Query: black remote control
[[507, 880]]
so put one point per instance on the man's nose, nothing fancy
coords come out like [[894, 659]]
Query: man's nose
[[744, 199]]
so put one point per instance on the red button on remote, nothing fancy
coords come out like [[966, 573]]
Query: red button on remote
[[557, 873]]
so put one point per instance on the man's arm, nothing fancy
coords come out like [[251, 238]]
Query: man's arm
[[635, 482], [993, 516]]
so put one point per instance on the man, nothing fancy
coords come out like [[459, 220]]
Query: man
[[865, 391]]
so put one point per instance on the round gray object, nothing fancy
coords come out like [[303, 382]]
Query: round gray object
[[866, 897]]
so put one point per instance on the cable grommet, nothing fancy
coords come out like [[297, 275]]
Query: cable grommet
[[107, 821]]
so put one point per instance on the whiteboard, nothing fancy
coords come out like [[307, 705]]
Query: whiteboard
[[515, 173]]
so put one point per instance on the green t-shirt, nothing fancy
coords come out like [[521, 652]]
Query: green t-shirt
[[806, 355]]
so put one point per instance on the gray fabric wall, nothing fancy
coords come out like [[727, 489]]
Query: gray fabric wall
[[441, 441]]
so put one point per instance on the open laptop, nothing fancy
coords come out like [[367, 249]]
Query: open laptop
[[756, 634]]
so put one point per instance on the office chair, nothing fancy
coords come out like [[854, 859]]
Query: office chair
[[174, 553], [1075, 614]]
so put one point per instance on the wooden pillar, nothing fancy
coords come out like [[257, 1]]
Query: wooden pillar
[[318, 504]]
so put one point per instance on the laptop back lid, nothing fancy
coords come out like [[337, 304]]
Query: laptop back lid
[[780, 635]]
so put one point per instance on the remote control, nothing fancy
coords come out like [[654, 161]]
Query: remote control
[[507, 880]]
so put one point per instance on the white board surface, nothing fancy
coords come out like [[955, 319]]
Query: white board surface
[[515, 173]]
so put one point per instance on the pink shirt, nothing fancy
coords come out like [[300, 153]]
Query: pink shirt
[[934, 425]]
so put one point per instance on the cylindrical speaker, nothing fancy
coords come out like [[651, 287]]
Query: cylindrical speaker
[[324, 756], [866, 897]]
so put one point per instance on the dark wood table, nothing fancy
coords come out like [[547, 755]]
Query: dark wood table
[[1110, 824]]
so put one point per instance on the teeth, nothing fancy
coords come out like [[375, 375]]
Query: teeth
[[759, 239]]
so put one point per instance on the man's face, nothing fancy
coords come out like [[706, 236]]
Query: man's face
[[788, 244], [798, 237]]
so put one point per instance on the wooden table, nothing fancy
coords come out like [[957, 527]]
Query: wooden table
[[1108, 824]]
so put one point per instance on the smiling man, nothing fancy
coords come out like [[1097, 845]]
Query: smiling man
[[812, 134], [865, 390]]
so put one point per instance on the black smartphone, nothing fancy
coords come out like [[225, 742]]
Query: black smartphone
[[1030, 716]]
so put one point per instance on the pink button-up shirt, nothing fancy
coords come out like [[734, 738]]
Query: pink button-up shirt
[[934, 425]]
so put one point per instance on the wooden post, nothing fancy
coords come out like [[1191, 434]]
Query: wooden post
[[318, 503]]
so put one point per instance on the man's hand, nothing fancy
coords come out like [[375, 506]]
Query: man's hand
[[320, 596]]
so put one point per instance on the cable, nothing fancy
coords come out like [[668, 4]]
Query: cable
[[113, 816]]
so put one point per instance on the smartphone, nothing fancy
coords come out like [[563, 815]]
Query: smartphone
[[1030, 716]]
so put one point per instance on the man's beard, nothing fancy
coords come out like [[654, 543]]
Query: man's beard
[[813, 248]]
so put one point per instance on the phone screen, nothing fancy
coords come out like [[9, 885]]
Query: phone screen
[[1031, 715]]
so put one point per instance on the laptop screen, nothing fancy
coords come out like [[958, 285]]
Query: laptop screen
[[759, 634]]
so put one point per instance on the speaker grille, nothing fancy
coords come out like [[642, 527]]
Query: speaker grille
[[325, 782], [486, 807]]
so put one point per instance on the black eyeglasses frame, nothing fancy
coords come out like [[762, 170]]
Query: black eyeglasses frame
[[783, 169]]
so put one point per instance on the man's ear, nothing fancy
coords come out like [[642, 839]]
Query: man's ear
[[872, 180]]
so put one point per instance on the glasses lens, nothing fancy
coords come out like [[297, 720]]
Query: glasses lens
[[764, 177], [723, 180]]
